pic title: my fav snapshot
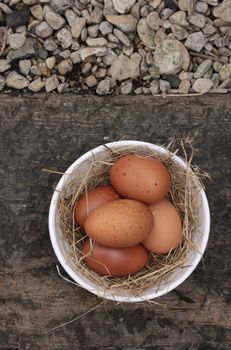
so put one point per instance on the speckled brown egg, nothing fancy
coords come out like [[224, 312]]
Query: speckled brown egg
[[115, 262], [120, 223], [144, 179], [91, 200], [166, 233]]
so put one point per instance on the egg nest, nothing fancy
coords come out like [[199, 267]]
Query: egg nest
[[184, 185]]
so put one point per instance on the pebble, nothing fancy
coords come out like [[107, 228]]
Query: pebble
[[154, 87], [179, 18], [155, 3], [2, 82], [60, 5], [121, 36], [196, 41], [93, 31], [96, 41], [146, 34], [126, 23], [16, 81], [217, 66], [216, 80], [50, 62], [170, 57], [202, 85], [171, 5], [37, 12], [75, 57], [18, 17], [203, 68], [50, 45], [91, 81], [77, 26], [123, 68], [43, 30], [51, 83], [26, 51], [164, 86], [36, 85], [153, 20], [123, 6], [65, 66], [105, 28], [65, 38], [109, 57], [91, 51], [5, 8], [225, 72], [184, 87], [183, 5], [103, 88], [25, 66], [197, 20], [126, 88], [201, 7], [53, 19], [223, 11], [4, 65], [97, 15]]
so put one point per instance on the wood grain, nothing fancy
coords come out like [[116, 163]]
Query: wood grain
[[51, 131]]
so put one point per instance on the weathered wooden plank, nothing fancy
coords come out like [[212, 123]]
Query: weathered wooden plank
[[52, 131]]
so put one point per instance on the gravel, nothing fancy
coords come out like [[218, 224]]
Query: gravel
[[122, 46]]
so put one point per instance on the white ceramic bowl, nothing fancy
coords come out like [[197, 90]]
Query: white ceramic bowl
[[60, 247]]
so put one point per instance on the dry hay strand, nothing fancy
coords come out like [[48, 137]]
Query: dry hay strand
[[184, 186]]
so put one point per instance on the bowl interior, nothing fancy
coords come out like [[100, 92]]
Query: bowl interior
[[61, 247]]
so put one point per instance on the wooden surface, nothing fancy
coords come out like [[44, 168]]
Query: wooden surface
[[51, 131]]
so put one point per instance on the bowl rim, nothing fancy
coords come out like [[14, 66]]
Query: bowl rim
[[99, 290]]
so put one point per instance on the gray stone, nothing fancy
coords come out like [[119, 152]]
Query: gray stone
[[203, 68], [103, 88], [155, 3], [50, 45], [223, 11], [164, 86], [91, 81], [70, 16], [97, 15], [196, 41], [202, 85], [185, 75], [60, 5], [4, 65], [166, 13], [65, 38], [216, 80], [122, 37], [25, 66], [144, 11], [2, 82], [128, 50], [123, 6], [123, 68], [35, 70], [36, 85], [96, 41], [183, 5], [153, 20], [93, 31], [77, 26], [209, 29], [105, 27], [87, 16], [101, 73], [201, 7], [83, 35], [160, 36], [126, 23], [180, 32], [217, 66], [109, 57], [53, 19], [5, 8], [51, 83], [170, 57], [197, 20], [86, 68], [91, 51], [26, 51], [113, 39], [184, 87], [29, 2], [211, 2], [126, 88], [146, 34], [179, 18], [16, 81], [43, 30], [16, 40]]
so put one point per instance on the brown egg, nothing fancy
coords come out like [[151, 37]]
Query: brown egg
[[120, 223], [92, 200], [115, 261], [167, 231], [143, 179]]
